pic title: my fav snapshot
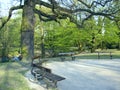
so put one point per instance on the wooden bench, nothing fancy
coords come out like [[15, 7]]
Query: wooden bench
[[45, 73], [38, 71], [66, 54], [105, 53]]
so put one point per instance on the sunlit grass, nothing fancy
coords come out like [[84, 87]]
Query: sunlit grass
[[11, 77], [96, 57], [103, 54]]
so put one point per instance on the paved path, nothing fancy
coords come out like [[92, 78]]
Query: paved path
[[88, 74]]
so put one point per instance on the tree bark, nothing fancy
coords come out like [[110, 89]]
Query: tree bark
[[42, 44], [28, 23]]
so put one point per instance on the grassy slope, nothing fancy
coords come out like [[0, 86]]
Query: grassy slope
[[12, 77]]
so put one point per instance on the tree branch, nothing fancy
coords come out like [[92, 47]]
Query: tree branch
[[84, 3], [47, 16], [10, 14], [60, 12]]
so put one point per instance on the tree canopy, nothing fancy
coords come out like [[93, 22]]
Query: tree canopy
[[77, 10]]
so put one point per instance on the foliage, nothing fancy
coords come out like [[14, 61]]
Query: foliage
[[81, 27], [66, 37], [10, 37], [110, 36]]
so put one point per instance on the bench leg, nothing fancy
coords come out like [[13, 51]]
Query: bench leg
[[55, 84], [49, 83], [73, 58], [62, 59]]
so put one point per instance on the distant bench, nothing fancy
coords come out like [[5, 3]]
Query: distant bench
[[41, 72], [66, 54], [105, 53]]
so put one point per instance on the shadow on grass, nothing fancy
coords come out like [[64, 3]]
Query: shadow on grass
[[12, 76]]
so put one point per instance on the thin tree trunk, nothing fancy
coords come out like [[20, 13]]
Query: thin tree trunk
[[42, 44]]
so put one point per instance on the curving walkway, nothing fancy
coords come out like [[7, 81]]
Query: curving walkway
[[88, 74], [84, 75]]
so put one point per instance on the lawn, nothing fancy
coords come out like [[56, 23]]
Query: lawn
[[96, 56], [89, 56], [12, 76]]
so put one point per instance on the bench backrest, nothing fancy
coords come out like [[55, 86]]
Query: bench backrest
[[67, 53], [43, 68]]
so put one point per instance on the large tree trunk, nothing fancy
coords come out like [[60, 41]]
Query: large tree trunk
[[28, 23]]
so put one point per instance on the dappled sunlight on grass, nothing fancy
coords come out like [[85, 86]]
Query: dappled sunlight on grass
[[11, 78]]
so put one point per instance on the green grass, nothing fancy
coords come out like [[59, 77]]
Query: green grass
[[12, 77], [103, 55], [96, 57]]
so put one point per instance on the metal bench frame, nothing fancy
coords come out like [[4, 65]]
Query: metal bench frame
[[43, 73]]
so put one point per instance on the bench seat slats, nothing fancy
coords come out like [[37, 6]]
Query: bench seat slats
[[53, 77]]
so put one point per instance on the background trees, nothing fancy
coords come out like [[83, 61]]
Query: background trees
[[10, 38], [77, 11]]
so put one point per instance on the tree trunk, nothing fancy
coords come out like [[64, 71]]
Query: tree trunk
[[42, 50], [119, 44], [27, 27], [5, 52], [93, 43]]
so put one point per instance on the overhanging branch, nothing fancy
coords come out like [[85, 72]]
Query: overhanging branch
[[60, 12], [10, 14], [47, 16]]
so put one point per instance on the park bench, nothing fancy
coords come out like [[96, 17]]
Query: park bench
[[62, 55], [105, 53], [43, 73]]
